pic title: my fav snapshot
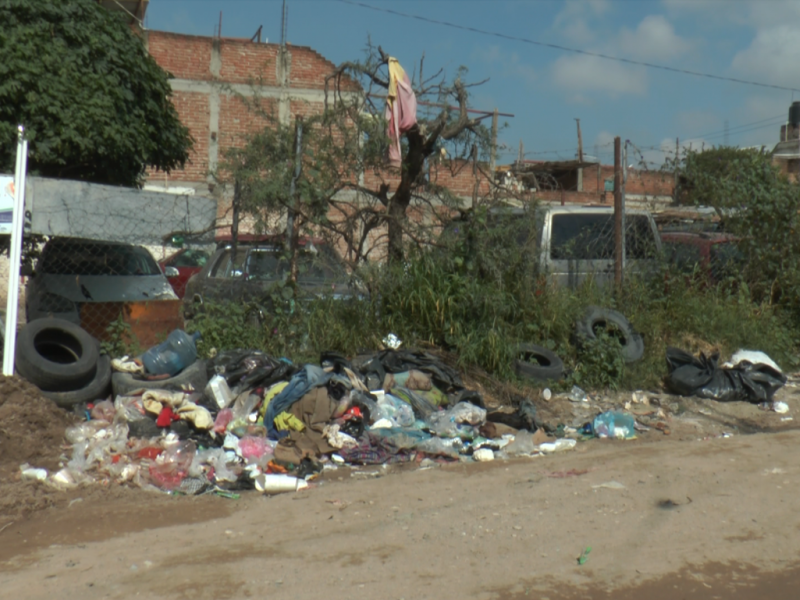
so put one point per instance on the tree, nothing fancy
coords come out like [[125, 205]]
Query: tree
[[95, 105], [347, 139], [759, 204]]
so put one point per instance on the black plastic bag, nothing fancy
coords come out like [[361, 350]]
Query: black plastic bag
[[702, 377]]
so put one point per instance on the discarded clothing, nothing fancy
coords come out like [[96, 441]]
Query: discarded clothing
[[270, 394], [376, 366], [401, 109], [370, 451], [701, 377], [311, 376], [288, 422], [413, 380]]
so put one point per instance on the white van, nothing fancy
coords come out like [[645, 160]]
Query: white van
[[573, 243]]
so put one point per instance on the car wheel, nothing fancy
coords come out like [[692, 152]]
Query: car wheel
[[194, 375], [597, 318], [538, 363], [97, 389], [56, 355]]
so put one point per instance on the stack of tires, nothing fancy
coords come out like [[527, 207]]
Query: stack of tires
[[63, 361]]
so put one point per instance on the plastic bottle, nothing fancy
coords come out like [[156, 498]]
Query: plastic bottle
[[614, 424], [172, 356]]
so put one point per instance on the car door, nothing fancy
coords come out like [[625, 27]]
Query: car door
[[579, 245]]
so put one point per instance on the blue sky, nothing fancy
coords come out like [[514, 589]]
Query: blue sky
[[546, 89]]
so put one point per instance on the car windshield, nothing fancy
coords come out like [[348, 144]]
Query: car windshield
[[315, 265], [97, 258], [726, 259], [188, 258], [582, 236], [685, 257]]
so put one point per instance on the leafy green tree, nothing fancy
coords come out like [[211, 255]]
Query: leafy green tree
[[95, 105], [759, 204]]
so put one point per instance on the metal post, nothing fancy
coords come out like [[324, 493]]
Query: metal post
[[580, 156], [622, 203], [237, 193], [677, 162], [617, 214], [15, 254]]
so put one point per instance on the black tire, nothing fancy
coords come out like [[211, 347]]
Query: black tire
[[56, 355], [194, 375], [97, 389], [597, 318], [538, 363]]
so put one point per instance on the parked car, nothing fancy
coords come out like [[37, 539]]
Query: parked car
[[709, 255], [571, 243], [71, 272], [187, 262], [259, 266]]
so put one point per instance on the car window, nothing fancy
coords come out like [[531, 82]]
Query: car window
[[189, 258], [639, 238], [317, 265], [91, 259], [684, 256], [725, 259], [225, 268], [582, 237]]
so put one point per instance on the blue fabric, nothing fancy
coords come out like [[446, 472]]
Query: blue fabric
[[310, 377]]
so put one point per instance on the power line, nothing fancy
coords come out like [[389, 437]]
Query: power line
[[564, 48]]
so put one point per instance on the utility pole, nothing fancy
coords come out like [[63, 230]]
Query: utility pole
[[617, 214], [521, 155], [677, 162], [580, 156], [493, 163], [237, 197]]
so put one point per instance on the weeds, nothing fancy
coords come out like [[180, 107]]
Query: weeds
[[480, 312]]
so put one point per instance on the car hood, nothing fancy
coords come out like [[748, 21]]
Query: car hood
[[100, 288]]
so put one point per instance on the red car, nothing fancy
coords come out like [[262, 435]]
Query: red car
[[187, 261], [711, 255]]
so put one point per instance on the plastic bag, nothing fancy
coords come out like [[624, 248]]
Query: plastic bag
[[254, 449], [172, 466], [439, 447], [522, 445], [103, 411], [459, 421], [395, 410], [399, 438], [701, 377], [422, 408]]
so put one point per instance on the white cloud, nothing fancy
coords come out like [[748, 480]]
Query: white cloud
[[573, 20], [653, 39], [772, 57], [580, 73]]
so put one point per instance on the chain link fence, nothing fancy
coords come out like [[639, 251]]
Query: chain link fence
[[113, 260]]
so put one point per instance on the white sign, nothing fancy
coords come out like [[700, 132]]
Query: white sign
[[6, 203]]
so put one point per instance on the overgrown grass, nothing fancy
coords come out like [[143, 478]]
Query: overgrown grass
[[482, 319]]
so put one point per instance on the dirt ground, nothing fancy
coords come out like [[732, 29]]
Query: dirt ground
[[702, 505]]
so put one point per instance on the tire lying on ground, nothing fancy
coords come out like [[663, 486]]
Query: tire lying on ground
[[195, 375], [97, 389], [598, 319], [56, 355], [538, 363]]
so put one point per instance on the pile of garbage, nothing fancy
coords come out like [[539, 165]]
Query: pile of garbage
[[253, 421]]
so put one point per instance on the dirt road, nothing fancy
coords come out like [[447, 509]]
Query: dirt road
[[717, 517]]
